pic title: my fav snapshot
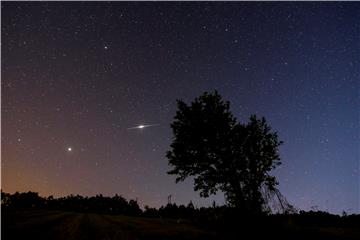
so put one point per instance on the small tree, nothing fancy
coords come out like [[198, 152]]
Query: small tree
[[222, 154]]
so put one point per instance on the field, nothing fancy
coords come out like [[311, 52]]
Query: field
[[46, 224], [40, 224]]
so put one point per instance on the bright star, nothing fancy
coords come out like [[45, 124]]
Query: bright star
[[69, 149]]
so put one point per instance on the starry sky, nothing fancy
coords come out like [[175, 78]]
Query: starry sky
[[77, 75]]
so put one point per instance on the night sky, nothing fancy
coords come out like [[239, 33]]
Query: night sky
[[79, 75]]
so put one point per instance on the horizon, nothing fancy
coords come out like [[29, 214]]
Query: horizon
[[142, 206]]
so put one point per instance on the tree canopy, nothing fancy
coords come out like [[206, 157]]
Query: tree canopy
[[223, 154]]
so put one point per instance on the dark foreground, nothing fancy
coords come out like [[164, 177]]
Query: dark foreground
[[46, 224]]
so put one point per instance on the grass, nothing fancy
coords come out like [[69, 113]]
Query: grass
[[46, 224], [43, 224]]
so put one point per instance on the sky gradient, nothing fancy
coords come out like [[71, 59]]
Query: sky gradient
[[79, 75]]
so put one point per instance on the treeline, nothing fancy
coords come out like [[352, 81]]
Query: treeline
[[96, 204], [214, 216]]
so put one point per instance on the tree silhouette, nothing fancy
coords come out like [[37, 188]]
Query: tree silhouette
[[223, 154]]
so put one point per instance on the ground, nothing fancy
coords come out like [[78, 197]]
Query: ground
[[41, 224], [56, 225]]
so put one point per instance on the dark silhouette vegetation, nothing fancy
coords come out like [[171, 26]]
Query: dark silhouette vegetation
[[213, 216], [222, 154], [96, 204], [30, 216]]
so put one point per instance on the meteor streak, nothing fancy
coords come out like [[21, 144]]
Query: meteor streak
[[143, 126]]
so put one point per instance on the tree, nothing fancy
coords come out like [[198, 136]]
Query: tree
[[223, 154]]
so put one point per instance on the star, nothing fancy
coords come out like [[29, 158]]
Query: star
[[69, 149], [106, 47]]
